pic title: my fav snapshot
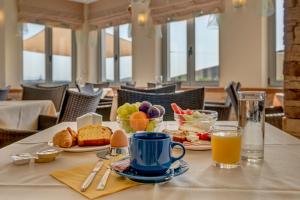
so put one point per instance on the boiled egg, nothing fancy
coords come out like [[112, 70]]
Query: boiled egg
[[119, 139]]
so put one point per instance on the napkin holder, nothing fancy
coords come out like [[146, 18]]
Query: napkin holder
[[89, 119]]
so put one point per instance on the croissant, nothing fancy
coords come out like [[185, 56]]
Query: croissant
[[63, 139]]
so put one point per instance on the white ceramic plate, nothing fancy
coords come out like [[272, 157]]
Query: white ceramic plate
[[203, 147], [78, 149]]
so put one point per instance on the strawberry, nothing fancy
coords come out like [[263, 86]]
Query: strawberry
[[203, 136], [176, 109]]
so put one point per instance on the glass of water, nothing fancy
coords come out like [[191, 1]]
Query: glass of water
[[251, 120]]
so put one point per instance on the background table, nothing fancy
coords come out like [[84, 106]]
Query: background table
[[24, 114], [277, 178]]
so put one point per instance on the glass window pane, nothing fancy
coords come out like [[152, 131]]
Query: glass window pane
[[61, 54], [125, 52], [207, 48], [279, 40], [34, 65], [109, 54], [178, 50]]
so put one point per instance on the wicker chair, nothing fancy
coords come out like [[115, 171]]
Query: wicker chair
[[232, 94], [192, 99], [223, 108], [8, 136], [100, 85], [54, 93], [177, 83], [165, 89], [77, 104], [4, 93], [273, 115]]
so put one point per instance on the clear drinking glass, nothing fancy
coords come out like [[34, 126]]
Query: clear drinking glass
[[251, 117], [226, 146]]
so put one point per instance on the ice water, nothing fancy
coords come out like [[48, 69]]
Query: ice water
[[251, 118]]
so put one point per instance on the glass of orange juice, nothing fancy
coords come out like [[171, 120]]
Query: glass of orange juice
[[226, 146]]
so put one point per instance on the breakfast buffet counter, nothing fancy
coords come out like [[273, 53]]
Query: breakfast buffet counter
[[277, 177]]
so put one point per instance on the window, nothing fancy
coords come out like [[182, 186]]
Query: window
[[192, 48], [279, 40], [48, 54], [276, 45], [116, 53]]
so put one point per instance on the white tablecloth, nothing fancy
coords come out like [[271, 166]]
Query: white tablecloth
[[24, 114], [277, 178]]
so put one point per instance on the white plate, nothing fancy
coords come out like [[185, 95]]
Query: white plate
[[197, 147], [78, 149]]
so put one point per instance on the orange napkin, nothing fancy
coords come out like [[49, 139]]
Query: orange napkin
[[75, 177]]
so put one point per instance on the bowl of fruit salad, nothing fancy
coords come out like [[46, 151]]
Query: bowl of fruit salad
[[198, 121], [140, 116]]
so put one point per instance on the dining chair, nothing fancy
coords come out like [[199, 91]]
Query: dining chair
[[223, 108], [55, 93], [4, 93], [100, 85], [165, 89], [77, 104], [231, 90], [192, 99], [177, 83], [273, 114], [9, 136]]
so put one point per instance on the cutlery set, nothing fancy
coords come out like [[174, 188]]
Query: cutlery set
[[92, 176]]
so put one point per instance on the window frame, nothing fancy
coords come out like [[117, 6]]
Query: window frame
[[271, 32], [49, 58], [191, 59], [101, 56]]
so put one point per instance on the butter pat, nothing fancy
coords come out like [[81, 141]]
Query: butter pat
[[46, 156], [22, 159], [89, 119]]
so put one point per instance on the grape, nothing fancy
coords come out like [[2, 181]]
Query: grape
[[126, 126], [151, 125], [153, 112], [144, 107], [161, 109]]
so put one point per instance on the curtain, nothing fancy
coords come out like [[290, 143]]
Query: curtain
[[107, 13], [163, 11], [51, 12]]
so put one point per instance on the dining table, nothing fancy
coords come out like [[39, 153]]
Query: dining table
[[277, 177], [24, 114]]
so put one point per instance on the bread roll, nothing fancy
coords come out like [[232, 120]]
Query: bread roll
[[63, 139]]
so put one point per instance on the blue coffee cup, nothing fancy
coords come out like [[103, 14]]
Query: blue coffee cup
[[151, 153]]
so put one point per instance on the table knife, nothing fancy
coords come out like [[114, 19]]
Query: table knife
[[103, 180], [91, 176]]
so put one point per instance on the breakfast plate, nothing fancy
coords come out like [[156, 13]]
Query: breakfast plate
[[78, 149], [132, 175], [196, 146]]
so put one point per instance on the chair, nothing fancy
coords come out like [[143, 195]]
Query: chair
[[4, 93], [233, 96], [100, 85], [54, 93], [177, 83], [165, 89], [77, 104], [273, 115], [192, 99], [8, 136], [223, 108]]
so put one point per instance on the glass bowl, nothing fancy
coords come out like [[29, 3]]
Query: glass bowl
[[151, 125], [201, 121]]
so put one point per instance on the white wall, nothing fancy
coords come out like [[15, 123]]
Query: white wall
[[242, 45]]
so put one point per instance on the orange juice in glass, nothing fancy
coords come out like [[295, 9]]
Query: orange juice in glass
[[226, 146]]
